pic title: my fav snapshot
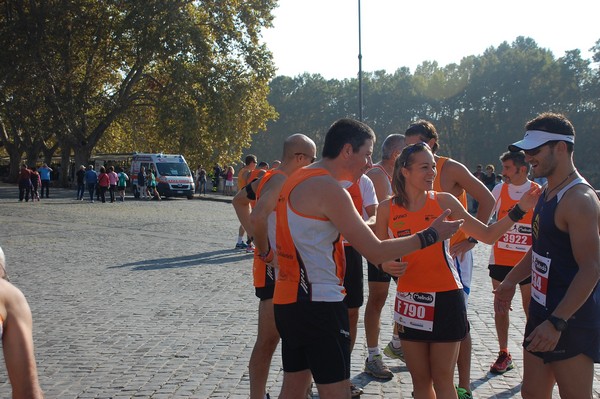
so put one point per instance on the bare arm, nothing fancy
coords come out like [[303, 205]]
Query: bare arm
[[263, 208], [17, 343], [578, 212], [481, 231], [323, 197], [241, 204], [380, 183], [475, 188], [504, 293]]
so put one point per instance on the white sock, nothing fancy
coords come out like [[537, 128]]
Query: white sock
[[373, 352], [396, 343], [240, 239]]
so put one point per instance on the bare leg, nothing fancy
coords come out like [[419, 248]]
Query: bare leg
[[264, 347]]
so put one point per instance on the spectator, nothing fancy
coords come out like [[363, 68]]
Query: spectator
[[103, 183], [229, 181], [45, 171], [151, 179], [80, 175], [141, 183], [91, 179], [216, 177], [24, 180], [17, 338], [113, 178], [122, 184], [201, 181], [35, 183], [489, 178]]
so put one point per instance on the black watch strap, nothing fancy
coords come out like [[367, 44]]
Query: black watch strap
[[558, 323]]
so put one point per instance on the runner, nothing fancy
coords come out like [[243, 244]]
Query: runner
[[511, 248], [312, 210], [562, 336], [430, 306], [378, 281], [454, 178], [298, 151]]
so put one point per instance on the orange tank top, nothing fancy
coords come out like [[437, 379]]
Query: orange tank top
[[310, 254], [462, 198], [261, 272], [430, 269], [513, 244]]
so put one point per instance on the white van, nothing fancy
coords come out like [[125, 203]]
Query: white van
[[173, 176]]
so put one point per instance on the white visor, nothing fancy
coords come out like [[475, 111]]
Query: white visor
[[536, 138]]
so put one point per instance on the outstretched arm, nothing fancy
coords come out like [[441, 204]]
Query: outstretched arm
[[17, 343]]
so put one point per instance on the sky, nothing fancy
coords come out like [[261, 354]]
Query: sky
[[321, 36]]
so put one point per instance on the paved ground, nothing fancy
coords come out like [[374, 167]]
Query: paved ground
[[147, 299]]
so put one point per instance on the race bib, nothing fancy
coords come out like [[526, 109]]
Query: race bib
[[518, 238], [540, 270], [415, 310]]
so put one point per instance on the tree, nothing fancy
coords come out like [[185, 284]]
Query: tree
[[198, 65]]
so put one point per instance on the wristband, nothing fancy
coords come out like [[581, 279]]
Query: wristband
[[472, 240], [428, 237], [516, 213]]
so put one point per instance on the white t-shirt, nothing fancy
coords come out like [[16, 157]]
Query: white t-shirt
[[367, 191]]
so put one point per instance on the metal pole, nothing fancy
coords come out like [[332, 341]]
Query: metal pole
[[360, 94]]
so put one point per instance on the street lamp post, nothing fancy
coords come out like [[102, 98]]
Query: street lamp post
[[360, 94]]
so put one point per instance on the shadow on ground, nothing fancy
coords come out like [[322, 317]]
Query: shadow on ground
[[219, 257]]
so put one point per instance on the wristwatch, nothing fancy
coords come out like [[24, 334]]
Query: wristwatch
[[472, 240], [558, 323]]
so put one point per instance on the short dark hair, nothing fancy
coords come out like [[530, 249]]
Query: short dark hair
[[518, 158], [250, 159], [263, 164], [346, 131], [426, 130], [553, 123]]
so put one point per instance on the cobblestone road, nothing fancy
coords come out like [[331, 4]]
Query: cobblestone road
[[147, 299]]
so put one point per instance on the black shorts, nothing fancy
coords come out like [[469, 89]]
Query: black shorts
[[376, 275], [315, 336], [449, 320], [353, 280], [121, 188], [572, 342], [499, 273], [264, 293]]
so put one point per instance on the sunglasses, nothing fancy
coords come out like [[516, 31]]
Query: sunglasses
[[536, 150], [312, 159], [414, 148]]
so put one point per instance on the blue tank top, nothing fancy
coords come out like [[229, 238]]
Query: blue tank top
[[554, 267]]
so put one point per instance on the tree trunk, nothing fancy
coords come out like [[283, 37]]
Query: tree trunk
[[64, 178], [15, 163], [82, 156]]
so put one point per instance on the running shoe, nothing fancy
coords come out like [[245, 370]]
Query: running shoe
[[377, 368], [463, 393], [355, 391], [502, 364], [250, 248], [393, 353], [241, 245]]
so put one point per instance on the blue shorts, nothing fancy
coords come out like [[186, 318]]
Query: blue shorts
[[315, 336], [572, 342]]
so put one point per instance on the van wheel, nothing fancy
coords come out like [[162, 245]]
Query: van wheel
[[190, 196]]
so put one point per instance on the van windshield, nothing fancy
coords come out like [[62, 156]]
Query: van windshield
[[173, 169]]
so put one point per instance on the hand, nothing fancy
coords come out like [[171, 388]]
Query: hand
[[446, 228], [503, 296], [530, 198], [394, 268], [543, 338], [268, 256], [459, 249]]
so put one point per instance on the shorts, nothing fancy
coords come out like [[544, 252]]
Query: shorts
[[228, 183], [499, 273], [315, 336], [377, 276], [353, 280], [464, 265], [572, 342], [449, 320], [264, 293], [121, 188]]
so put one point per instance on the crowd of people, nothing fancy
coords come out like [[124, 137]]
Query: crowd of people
[[312, 222]]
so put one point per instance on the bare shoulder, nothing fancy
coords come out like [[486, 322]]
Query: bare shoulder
[[580, 199], [11, 298]]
